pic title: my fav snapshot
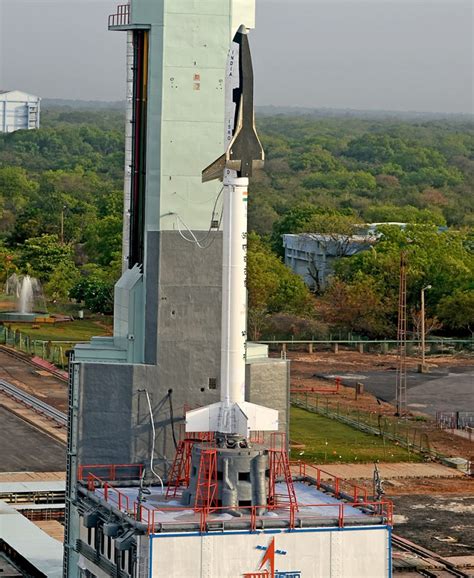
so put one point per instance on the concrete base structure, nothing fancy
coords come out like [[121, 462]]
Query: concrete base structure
[[241, 473], [325, 536]]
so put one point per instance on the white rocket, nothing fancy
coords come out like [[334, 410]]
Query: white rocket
[[244, 153]]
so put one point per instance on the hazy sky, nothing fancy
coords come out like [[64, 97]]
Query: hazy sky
[[362, 54]]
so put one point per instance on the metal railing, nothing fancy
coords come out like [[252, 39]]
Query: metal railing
[[401, 432], [51, 351], [110, 472], [338, 486], [206, 519], [434, 345], [455, 419], [121, 17], [33, 403]]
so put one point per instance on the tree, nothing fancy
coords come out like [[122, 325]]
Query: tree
[[457, 310], [272, 287], [443, 260], [61, 281], [359, 306], [41, 256], [95, 293]]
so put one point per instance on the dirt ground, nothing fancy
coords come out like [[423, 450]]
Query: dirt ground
[[349, 360], [304, 370], [441, 523], [34, 381], [429, 486]]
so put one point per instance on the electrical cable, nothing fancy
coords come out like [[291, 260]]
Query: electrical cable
[[170, 392], [194, 239], [153, 443]]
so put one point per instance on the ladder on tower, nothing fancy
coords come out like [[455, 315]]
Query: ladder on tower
[[206, 486], [280, 468], [181, 468], [401, 376]]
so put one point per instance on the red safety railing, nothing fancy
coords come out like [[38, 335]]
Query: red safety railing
[[121, 17], [158, 518], [338, 485], [110, 472], [111, 494], [291, 513]]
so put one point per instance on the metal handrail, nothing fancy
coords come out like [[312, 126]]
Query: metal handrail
[[33, 402]]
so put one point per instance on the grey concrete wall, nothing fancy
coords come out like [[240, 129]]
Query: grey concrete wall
[[104, 419], [182, 344], [268, 385]]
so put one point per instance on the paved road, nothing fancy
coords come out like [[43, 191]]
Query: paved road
[[25, 448], [447, 389]]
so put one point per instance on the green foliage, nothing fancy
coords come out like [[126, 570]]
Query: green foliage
[[370, 279], [41, 256], [406, 214], [457, 310], [95, 293], [272, 287], [323, 175], [374, 168], [61, 280], [359, 305]]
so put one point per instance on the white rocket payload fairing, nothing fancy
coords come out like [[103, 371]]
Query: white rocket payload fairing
[[244, 153]]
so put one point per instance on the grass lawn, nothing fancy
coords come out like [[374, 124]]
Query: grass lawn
[[70, 331], [327, 441]]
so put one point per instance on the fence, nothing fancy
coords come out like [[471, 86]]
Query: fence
[[52, 351], [399, 431], [455, 419], [433, 346]]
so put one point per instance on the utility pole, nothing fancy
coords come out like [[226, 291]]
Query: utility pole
[[62, 225], [423, 367], [401, 377]]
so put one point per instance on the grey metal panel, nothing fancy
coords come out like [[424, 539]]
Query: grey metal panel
[[104, 420]]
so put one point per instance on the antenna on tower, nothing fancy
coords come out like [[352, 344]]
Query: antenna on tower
[[401, 377]]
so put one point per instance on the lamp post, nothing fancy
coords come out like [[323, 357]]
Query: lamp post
[[62, 225], [423, 327]]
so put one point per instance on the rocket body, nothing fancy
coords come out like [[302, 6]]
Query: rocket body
[[234, 293], [233, 415]]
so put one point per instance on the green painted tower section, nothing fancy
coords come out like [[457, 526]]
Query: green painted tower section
[[189, 41]]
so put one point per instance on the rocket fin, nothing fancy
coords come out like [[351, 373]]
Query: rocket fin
[[215, 170], [238, 418], [260, 418], [204, 418]]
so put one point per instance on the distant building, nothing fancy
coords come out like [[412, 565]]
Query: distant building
[[18, 111], [313, 255]]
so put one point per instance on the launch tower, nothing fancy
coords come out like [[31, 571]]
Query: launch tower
[[167, 475], [129, 392]]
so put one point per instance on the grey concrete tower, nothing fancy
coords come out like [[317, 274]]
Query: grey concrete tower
[[166, 343]]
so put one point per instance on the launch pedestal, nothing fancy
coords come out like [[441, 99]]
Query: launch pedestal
[[230, 478]]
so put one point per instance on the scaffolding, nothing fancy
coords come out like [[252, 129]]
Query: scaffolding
[[401, 376]]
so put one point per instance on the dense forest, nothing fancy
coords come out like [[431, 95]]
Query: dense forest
[[61, 215]]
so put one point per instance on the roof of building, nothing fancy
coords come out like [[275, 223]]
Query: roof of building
[[3, 91], [34, 545]]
